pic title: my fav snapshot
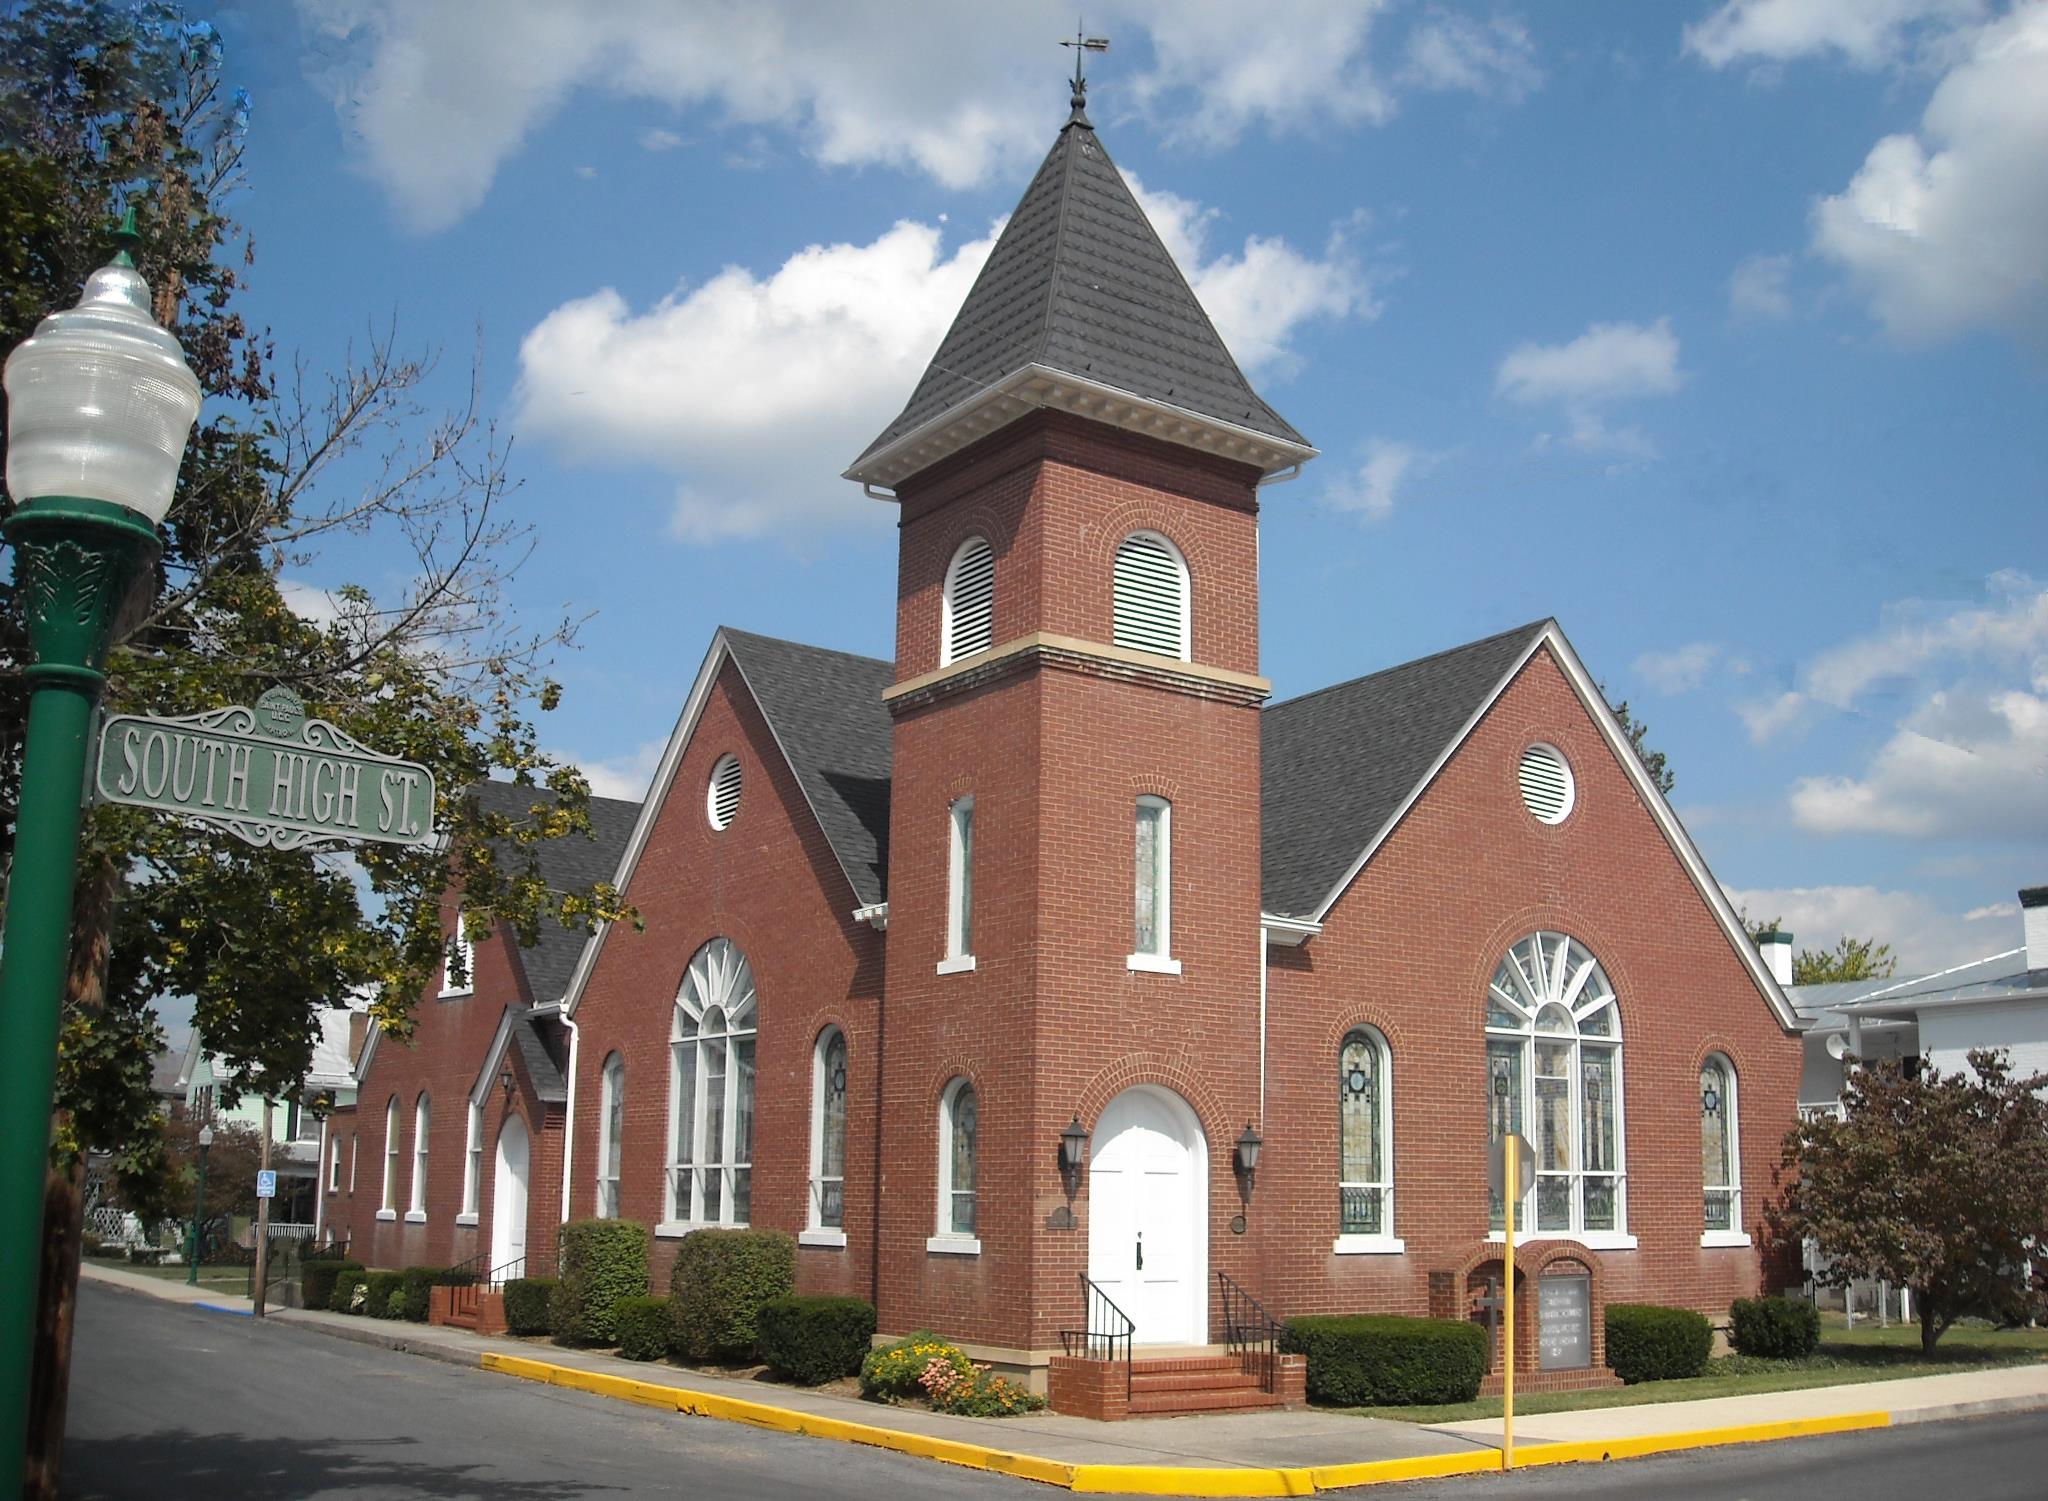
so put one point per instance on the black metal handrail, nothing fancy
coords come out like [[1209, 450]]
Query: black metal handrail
[[1105, 1329], [517, 1267], [1250, 1333]]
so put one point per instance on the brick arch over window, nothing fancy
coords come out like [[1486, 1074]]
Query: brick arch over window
[[1177, 1074]]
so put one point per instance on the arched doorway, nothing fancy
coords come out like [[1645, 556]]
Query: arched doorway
[[1148, 1215], [508, 1196]]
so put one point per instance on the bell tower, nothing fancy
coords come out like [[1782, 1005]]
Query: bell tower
[[1074, 815]]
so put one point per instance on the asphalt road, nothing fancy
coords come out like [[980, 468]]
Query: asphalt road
[[176, 1404]]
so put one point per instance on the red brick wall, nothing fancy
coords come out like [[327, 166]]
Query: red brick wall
[[770, 883], [1409, 949]]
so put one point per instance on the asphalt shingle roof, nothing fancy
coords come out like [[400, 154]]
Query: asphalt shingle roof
[[565, 864], [1080, 282], [1337, 763], [827, 713]]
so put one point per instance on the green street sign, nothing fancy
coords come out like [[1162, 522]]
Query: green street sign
[[268, 775]]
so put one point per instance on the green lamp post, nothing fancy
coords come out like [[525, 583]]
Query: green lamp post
[[99, 406], [195, 1244]]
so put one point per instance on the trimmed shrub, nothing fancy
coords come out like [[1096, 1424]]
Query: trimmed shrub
[[528, 1301], [381, 1304], [318, 1278], [721, 1279], [1646, 1342], [351, 1291], [1385, 1360], [1775, 1328], [419, 1283], [645, 1327], [814, 1340], [978, 1394], [897, 1371], [602, 1261]]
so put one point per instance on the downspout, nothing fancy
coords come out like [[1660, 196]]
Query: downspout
[[569, 1114], [1262, 1026]]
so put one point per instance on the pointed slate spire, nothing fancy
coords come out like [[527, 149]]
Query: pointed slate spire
[[1079, 283]]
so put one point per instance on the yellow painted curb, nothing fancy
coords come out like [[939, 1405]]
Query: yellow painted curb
[[1158, 1480]]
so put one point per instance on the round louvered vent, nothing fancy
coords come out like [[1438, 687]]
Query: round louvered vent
[[722, 801], [1547, 790]]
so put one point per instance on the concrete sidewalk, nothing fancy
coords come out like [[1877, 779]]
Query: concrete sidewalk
[[1284, 1453]]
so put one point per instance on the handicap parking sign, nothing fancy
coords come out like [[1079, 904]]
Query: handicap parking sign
[[266, 1184]]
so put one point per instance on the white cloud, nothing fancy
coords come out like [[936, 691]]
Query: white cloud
[[1867, 33], [654, 138], [1768, 718], [756, 391], [1759, 287], [309, 601], [437, 97], [1608, 362], [2010, 634], [1923, 935], [1681, 669], [624, 776], [1372, 489], [1991, 910]]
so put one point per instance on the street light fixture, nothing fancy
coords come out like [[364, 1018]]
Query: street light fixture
[[194, 1243], [100, 403]]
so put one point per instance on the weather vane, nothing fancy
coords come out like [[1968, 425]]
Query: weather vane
[[1083, 43]]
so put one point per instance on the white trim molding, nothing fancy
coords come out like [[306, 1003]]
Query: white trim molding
[[830, 1239], [1153, 964], [415, 1216], [466, 1221], [387, 1214], [1724, 1238], [953, 1245], [1368, 1245], [959, 964]]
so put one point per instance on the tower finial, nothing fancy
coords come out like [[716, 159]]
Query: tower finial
[[1081, 43], [126, 239]]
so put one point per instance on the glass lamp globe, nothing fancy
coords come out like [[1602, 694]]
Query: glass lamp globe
[[100, 401]]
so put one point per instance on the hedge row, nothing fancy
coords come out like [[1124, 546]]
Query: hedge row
[[720, 1281], [345, 1287], [1384, 1360], [602, 1263], [1776, 1328]]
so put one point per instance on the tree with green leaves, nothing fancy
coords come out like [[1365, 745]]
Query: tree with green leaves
[[1661, 774], [1934, 1182], [1850, 958]]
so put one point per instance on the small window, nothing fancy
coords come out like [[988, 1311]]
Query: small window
[[960, 886], [420, 1112], [1365, 1169], [958, 1112], [1151, 611], [458, 965], [1547, 788], [1720, 1152], [334, 1165], [969, 602], [1153, 898], [473, 1159], [391, 1156], [353, 1143], [613, 1126], [722, 798], [828, 1133]]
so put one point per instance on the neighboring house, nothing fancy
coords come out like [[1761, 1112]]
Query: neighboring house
[[1056, 876]]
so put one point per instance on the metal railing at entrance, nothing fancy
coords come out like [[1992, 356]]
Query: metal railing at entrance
[[1106, 1330]]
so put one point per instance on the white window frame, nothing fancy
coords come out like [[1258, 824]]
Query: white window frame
[[816, 1232], [1542, 970], [1158, 959], [458, 942], [1184, 650], [355, 1141], [959, 887], [422, 1121], [610, 1135], [1731, 1113], [945, 1240], [334, 1164], [1384, 1242], [472, 1164], [389, 1209], [948, 648], [719, 979]]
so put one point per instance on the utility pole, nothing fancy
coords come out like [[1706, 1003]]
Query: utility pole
[[263, 1221]]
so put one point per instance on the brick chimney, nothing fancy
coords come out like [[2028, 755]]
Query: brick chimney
[[1776, 947], [2034, 913], [358, 1029]]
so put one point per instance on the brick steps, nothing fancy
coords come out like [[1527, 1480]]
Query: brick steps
[[1168, 1386]]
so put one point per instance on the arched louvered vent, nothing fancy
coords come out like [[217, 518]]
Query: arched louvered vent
[[722, 800], [1151, 597], [970, 602], [1547, 790]]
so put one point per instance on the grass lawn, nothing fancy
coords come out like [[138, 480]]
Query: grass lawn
[[1844, 1358], [233, 1279]]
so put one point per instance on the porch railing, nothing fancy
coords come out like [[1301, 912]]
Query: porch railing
[[1106, 1330], [462, 1297], [1250, 1333]]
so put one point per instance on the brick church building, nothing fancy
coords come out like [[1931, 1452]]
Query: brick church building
[[1049, 968]]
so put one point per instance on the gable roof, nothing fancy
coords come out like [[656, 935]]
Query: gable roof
[[1079, 284]]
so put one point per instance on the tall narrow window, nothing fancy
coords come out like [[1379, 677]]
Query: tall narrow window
[[1553, 1060], [1151, 588], [420, 1112], [353, 1143], [828, 1133], [958, 1112], [1720, 1155], [959, 887], [612, 1127], [391, 1156], [458, 966], [1154, 895], [473, 1160], [968, 605], [1365, 1175], [334, 1164], [711, 1090]]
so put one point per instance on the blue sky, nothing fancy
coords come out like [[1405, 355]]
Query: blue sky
[[1715, 330]]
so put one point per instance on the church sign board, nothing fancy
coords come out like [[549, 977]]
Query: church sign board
[[268, 775], [1564, 1321]]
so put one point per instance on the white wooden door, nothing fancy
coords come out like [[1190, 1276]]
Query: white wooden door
[[508, 1196], [1147, 1215]]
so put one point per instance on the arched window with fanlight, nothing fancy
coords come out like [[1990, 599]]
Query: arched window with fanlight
[[711, 1090], [1553, 1074], [1365, 1158], [828, 1132], [1720, 1151]]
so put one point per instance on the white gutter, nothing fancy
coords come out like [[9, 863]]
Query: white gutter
[[1288, 932], [569, 1114]]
